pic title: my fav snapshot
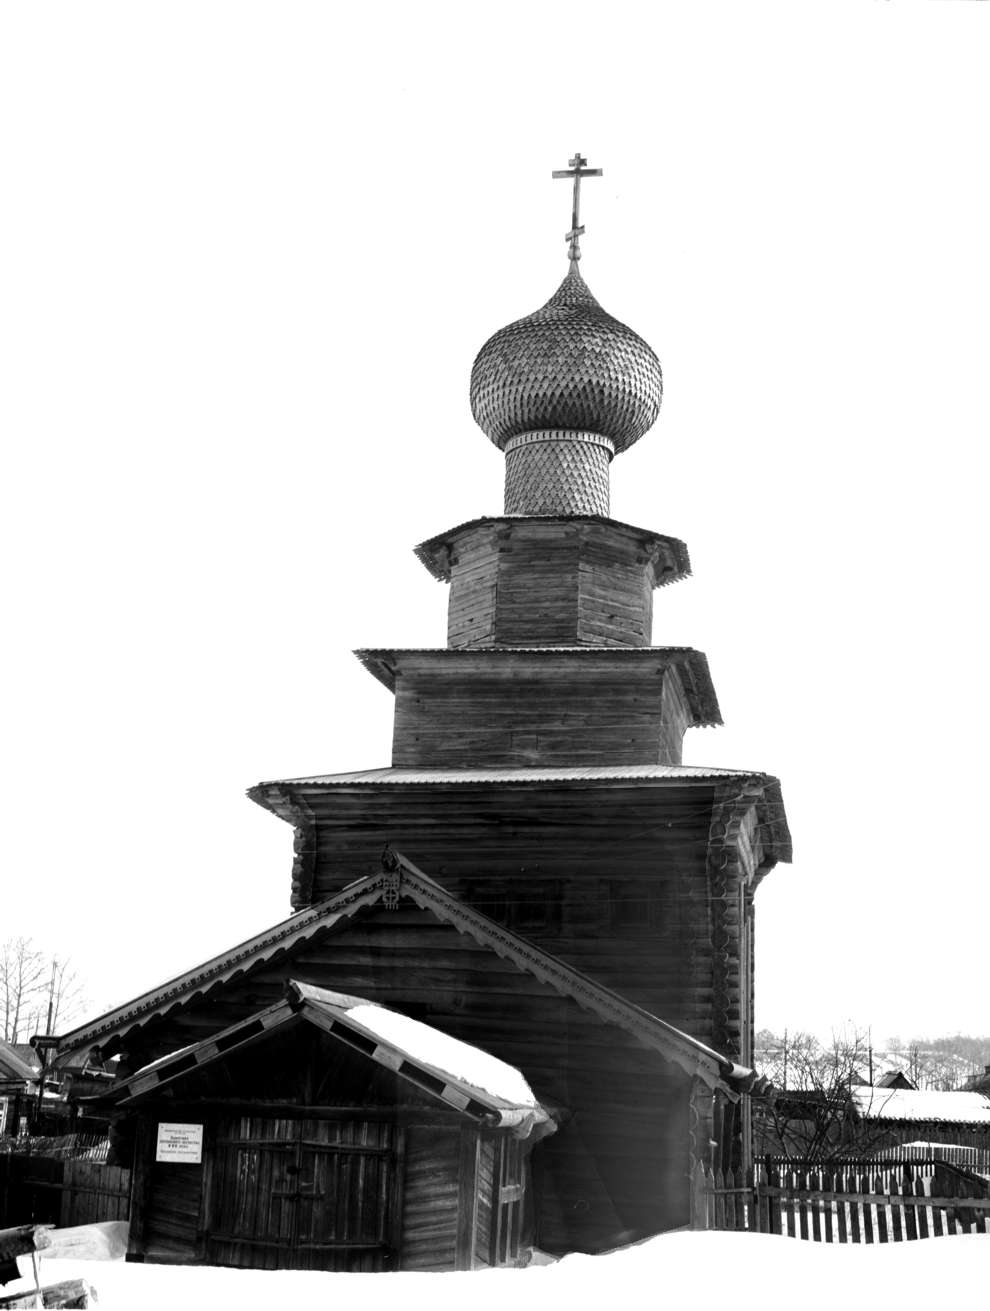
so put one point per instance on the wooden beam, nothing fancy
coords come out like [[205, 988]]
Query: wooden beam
[[467, 1198]]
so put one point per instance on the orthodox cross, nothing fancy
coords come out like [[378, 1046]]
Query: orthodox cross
[[577, 171]]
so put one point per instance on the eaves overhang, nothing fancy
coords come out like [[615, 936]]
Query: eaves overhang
[[405, 879], [668, 556], [388, 665]]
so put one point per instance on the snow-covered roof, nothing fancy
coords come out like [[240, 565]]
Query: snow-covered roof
[[922, 1105], [466, 1078], [429, 1046]]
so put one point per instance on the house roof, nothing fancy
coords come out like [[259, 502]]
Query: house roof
[[405, 879], [922, 1106], [461, 1076], [894, 1079], [13, 1065]]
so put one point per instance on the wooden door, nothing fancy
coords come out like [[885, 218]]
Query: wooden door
[[304, 1194]]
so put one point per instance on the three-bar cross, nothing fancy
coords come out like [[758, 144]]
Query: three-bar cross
[[577, 171]]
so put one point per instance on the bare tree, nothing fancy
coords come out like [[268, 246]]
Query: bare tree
[[808, 1113], [22, 980], [37, 992]]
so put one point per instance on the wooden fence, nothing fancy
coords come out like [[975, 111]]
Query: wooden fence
[[971, 1158], [858, 1202], [88, 1146], [61, 1190]]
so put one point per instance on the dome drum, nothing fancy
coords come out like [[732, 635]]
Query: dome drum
[[557, 472]]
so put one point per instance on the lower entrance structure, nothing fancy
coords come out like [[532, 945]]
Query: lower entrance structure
[[329, 1133]]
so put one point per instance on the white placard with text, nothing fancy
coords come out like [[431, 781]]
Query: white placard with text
[[180, 1142]]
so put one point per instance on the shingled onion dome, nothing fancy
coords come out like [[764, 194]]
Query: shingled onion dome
[[560, 392]]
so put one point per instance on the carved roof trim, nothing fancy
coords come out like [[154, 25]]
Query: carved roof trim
[[691, 1055], [331, 1012]]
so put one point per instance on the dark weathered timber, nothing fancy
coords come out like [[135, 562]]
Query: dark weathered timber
[[385, 1183], [614, 880], [467, 1199], [570, 581], [620, 1165], [522, 708]]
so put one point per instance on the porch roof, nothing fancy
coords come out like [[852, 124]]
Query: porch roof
[[461, 1076]]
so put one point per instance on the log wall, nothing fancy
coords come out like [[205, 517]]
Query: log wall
[[614, 880], [545, 580], [550, 583], [619, 1163], [511, 710]]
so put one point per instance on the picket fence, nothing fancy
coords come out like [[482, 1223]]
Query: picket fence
[[970, 1158], [855, 1202]]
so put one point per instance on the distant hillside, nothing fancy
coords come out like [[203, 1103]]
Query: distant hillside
[[799, 1060], [944, 1063]]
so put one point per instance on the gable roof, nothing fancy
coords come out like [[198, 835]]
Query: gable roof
[[404, 879], [895, 1079], [14, 1066], [465, 1078], [922, 1106]]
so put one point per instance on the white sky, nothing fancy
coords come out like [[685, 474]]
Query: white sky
[[248, 255]]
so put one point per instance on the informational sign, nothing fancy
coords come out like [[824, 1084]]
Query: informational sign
[[180, 1142]]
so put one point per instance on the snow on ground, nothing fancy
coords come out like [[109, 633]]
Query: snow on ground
[[742, 1271]]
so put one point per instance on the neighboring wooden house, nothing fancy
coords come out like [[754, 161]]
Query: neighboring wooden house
[[19, 1072], [586, 914], [890, 1116], [979, 1082], [896, 1079]]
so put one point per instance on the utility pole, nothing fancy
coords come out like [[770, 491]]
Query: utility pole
[[785, 1061], [51, 996]]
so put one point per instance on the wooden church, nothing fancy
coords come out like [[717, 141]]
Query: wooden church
[[513, 1004]]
